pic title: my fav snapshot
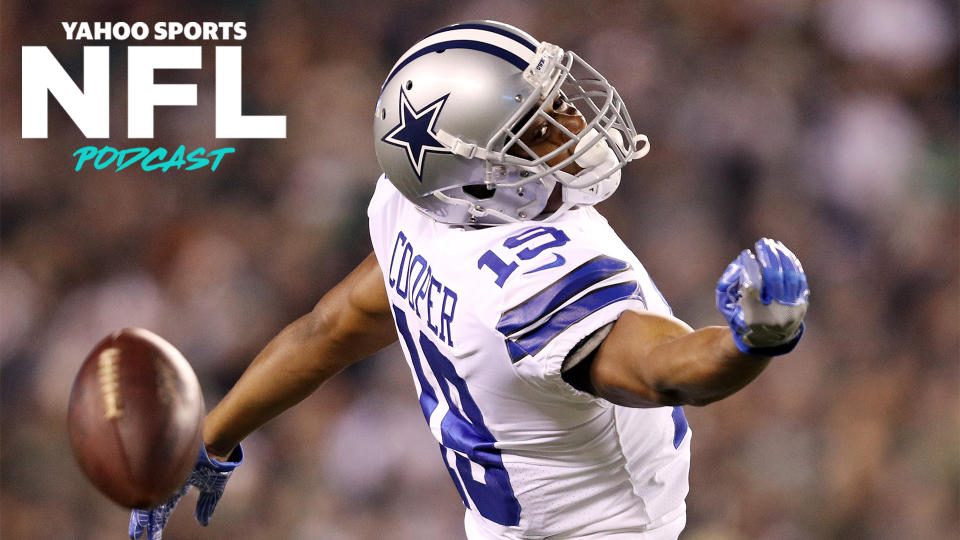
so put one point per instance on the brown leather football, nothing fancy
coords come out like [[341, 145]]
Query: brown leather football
[[135, 418]]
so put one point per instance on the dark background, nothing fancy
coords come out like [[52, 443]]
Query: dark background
[[830, 125]]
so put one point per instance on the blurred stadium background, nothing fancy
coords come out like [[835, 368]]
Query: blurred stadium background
[[831, 125]]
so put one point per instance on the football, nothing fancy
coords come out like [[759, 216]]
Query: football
[[135, 418]]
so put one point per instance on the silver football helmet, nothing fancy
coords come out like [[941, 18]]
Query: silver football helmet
[[453, 110]]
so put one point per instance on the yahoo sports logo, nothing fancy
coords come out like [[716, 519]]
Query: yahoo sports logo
[[89, 109]]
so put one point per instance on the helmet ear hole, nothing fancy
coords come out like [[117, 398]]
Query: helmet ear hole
[[408, 85], [479, 191]]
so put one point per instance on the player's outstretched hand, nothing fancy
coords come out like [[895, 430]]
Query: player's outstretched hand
[[209, 476], [764, 299]]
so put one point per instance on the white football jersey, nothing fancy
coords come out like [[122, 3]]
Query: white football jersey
[[486, 317]]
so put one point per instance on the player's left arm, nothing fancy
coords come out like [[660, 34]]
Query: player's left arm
[[653, 360]]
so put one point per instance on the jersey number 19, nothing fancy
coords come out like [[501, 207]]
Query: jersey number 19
[[467, 446]]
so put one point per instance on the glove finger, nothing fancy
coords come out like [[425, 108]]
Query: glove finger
[[799, 292], [730, 279], [728, 288], [138, 520], [158, 519], [794, 261], [771, 271], [751, 277], [791, 278], [154, 531], [803, 290], [727, 300], [160, 514], [206, 504]]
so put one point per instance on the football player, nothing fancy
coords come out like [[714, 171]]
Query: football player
[[549, 368]]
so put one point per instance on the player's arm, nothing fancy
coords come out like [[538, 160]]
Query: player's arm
[[350, 322], [652, 360]]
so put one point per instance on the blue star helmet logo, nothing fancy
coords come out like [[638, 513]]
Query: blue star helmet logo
[[416, 132]]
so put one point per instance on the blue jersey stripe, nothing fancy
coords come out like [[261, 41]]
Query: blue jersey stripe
[[488, 28], [559, 292], [532, 342], [515, 351], [679, 426], [499, 52]]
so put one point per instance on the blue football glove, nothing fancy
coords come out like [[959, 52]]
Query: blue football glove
[[764, 299], [209, 476]]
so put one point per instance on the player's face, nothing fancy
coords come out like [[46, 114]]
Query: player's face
[[543, 137]]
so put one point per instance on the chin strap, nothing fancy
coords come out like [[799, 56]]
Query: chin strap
[[640, 152], [462, 148], [601, 162]]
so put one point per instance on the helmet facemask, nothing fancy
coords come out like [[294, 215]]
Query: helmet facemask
[[513, 170]]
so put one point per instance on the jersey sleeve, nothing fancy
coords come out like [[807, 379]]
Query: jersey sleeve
[[550, 313], [384, 209]]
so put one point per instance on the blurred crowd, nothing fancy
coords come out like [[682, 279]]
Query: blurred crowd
[[831, 125]]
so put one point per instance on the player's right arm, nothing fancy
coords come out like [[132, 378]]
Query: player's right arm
[[352, 321], [652, 360]]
